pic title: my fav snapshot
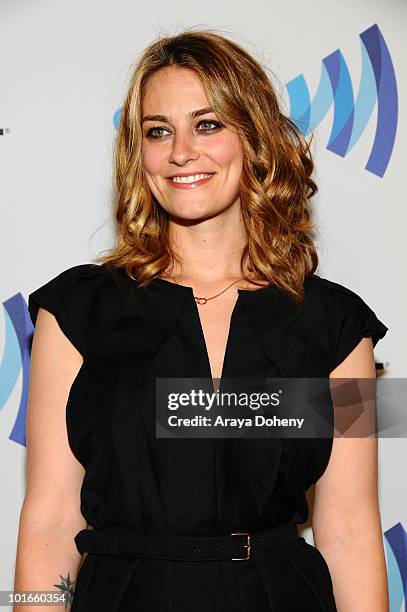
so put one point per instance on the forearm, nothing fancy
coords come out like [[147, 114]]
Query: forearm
[[46, 552], [358, 568]]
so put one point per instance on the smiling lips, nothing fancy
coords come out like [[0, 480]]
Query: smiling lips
[[189, 182]]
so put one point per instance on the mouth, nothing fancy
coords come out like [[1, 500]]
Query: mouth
[[190, 181]]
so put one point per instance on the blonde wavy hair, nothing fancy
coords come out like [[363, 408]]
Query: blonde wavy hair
[[275, 183]]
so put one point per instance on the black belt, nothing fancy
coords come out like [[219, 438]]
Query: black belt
[[238, 546]]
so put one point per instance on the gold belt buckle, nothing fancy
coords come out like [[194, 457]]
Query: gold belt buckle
[[247, 546]]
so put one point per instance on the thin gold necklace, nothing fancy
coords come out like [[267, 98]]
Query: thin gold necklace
[[203, 300]]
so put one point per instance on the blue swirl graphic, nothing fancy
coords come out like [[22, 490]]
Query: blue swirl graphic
[[350, 116], [377, 83]]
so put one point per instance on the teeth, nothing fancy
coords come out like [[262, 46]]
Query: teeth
[[189, 179]]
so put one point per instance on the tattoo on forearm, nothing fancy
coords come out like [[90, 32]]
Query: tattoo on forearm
[[67, 587]]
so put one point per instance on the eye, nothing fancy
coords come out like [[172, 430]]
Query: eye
[[152, 132], [217, 124]]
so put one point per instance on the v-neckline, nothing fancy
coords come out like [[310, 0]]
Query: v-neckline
[[228, 341], [190, 292]]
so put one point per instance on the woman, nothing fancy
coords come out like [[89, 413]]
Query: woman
[[212, 276]]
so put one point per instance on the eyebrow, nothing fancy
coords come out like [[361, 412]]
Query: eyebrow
[[191, 115]]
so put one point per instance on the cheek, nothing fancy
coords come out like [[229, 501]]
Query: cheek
[[150, 160], [226, 152]]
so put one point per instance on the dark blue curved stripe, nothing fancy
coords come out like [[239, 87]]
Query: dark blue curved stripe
[[343, 103], [17, 348], [387, 100], [397, 538]]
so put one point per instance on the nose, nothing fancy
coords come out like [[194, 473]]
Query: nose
[[183, 149]]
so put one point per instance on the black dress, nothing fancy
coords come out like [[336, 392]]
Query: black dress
[[128, 336]]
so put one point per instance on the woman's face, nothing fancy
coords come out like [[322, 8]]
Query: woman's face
[[177, 144]]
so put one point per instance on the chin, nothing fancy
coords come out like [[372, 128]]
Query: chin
[[192, 211], [192, 218]]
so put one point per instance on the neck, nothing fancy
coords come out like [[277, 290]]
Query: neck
[[208, 251]]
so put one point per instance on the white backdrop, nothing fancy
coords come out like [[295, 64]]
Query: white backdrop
[[64, 71]]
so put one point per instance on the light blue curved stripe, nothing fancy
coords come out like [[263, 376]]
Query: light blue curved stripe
[[116, 118], [299, 103], [396, 590], [366, 98], [322, 100], [11, 362]]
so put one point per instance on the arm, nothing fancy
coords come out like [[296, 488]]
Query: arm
[[50, 516], [346, 516]]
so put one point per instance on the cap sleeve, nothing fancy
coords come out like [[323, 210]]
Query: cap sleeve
[[352, 320], [68, 297]]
